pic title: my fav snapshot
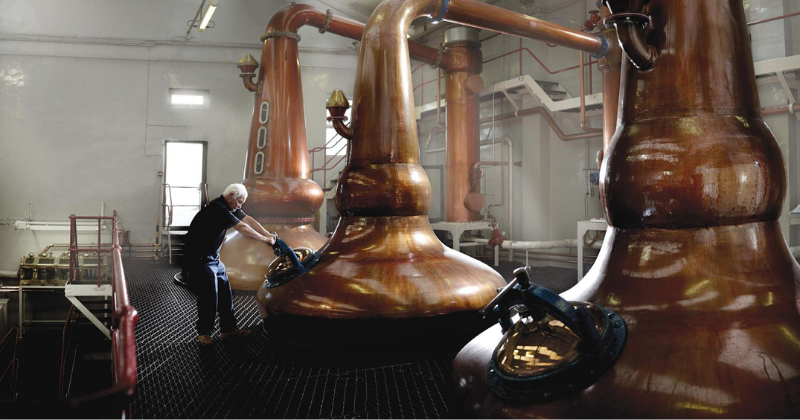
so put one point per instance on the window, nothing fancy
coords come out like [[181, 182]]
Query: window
[[263, 116], [259, 166], [336, 145], [185, 173], [262, 137], [189, 98]]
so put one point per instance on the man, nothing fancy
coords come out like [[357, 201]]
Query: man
[[207, 274]]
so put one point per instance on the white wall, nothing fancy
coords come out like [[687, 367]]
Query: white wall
[[83, 123]]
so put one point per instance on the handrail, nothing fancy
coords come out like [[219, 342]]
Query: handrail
[[123, 339], [62, 375], [73, 243], [169, 206], [333, 142], [758, 22], [12, 364]]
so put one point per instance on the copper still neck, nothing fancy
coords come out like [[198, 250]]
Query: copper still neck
[[701, 95]]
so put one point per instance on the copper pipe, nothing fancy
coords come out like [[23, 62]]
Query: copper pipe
[[463, 202], [537, 60], [631, 26], [485, 16], [631, 39], [248, 82], [343, 129], [583, 97], [783, 109], [550, 121], [758, 22], [438, 96], [610, 66], [530, 111]]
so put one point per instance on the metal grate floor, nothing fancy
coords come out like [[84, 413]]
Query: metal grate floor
[[248, 379]]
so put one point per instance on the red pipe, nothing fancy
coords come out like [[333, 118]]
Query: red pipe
[[537, 60], [541, 110], [758, 22], [583, 98], [438, 96], [783, 109]]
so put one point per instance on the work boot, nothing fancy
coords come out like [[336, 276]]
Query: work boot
[[237, 333], [205, 339]]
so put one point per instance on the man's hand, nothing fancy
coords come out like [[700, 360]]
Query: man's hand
[[270, 239]]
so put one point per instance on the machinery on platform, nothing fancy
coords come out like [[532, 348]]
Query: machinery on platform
[[47, 269]]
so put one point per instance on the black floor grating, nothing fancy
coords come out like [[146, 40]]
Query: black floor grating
[[179, 379]]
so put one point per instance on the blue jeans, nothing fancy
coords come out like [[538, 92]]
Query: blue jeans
[[210, 281]]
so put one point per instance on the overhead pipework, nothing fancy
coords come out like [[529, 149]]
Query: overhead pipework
[[692, 187], [384, 279]]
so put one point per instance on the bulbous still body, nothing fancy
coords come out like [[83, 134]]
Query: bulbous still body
[[694, 260], [384, 280]]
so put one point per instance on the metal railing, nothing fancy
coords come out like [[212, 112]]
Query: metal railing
[[123, 323], [329, 162], [9, 365]]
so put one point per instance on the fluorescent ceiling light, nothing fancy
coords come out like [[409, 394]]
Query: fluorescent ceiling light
[[212, 6]]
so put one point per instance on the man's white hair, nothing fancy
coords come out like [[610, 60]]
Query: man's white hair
[[236, 189]]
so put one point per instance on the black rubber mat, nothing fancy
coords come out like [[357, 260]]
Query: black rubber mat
[[249, 378]]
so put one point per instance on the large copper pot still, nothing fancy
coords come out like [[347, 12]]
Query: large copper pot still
[[383, 276], [282, 197], [694, 261]]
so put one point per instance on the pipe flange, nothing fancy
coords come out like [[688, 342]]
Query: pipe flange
[[277, 34], [605, 46], [438, 62], [328, 17]]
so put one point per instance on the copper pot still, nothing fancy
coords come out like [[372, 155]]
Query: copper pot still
[[384, 280], [280, 194], [694, 261]]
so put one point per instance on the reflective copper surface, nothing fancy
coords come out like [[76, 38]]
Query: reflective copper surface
[[277, 169], [249, 267], [462, 92], [485, 16], [609, 65], [536, 347], [694, 260], [383, 262]]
